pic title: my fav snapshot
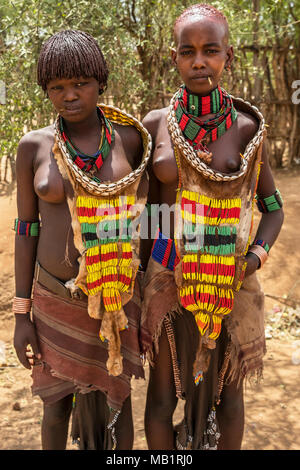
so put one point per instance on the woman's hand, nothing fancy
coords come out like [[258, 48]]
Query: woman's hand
[[253, 263], [25, 334]]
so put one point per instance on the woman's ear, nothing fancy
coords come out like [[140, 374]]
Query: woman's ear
[[101, 89], [173, 55], [230, 57]]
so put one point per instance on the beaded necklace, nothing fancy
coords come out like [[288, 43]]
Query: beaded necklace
[[199, 133], [91, 163]]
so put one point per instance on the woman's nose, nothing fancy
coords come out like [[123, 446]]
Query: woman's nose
[[70, 94], [198, 61]]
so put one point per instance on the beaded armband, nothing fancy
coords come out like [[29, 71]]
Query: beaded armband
[[269, 204], [29, 229], [263, 244], [164, 251]]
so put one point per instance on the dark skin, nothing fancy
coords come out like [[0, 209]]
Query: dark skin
[[42, 190], [202, 51]]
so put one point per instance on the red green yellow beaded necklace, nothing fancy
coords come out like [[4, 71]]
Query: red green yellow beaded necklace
[[198, 132], [90, 163]]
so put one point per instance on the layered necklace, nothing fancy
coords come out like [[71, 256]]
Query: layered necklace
[[189, 110], [90, 163]]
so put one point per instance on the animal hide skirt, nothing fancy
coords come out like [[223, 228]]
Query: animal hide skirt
[[74, 362], [238, 354]]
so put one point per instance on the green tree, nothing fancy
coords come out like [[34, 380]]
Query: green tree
[[136, 36]]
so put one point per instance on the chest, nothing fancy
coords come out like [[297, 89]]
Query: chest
[[51, 187], [226, 152]]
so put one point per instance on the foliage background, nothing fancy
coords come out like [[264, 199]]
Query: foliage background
[[135, 37]]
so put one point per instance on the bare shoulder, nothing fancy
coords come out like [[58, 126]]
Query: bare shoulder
[[132, 143], [247, 125], [153, 120], [30, 142], [130, 136]]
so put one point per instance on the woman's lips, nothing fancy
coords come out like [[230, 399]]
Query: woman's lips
[[200, 77], [69, 112], [72, 110]]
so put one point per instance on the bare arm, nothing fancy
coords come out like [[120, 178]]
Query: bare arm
[[153, 194], [151, 123], [25, 247], [27, 204], [271, 222]]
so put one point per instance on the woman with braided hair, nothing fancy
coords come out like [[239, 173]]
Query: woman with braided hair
[[202, 316], [81, 184]]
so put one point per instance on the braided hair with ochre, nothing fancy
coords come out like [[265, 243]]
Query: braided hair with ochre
[[69, 54]]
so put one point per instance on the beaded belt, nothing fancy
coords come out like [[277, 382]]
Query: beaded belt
[[164, 252]]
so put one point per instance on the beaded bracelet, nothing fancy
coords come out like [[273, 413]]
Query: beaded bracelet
[[21, 305], [260, 252], [30, 229], [262, 243], [270, 203]]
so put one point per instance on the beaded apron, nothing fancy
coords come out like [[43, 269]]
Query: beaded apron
[[213, 223], [102, 218]]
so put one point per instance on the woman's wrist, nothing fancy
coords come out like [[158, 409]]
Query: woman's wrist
[[21, 306], [254, 257], [22, 318], [260, 253]]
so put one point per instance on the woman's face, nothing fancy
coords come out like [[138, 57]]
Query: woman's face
[[202, 52], [75, 99]]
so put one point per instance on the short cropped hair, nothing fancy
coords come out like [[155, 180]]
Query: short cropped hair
[[201, 9], [69, 54]]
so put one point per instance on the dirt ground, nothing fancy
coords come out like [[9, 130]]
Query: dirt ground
[[272, 416]]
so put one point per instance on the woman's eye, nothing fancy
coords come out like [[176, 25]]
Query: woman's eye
[[212, 51], [80, 84], [185, 52]]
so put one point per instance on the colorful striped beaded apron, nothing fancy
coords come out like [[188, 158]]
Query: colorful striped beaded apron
[[105, 228]]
